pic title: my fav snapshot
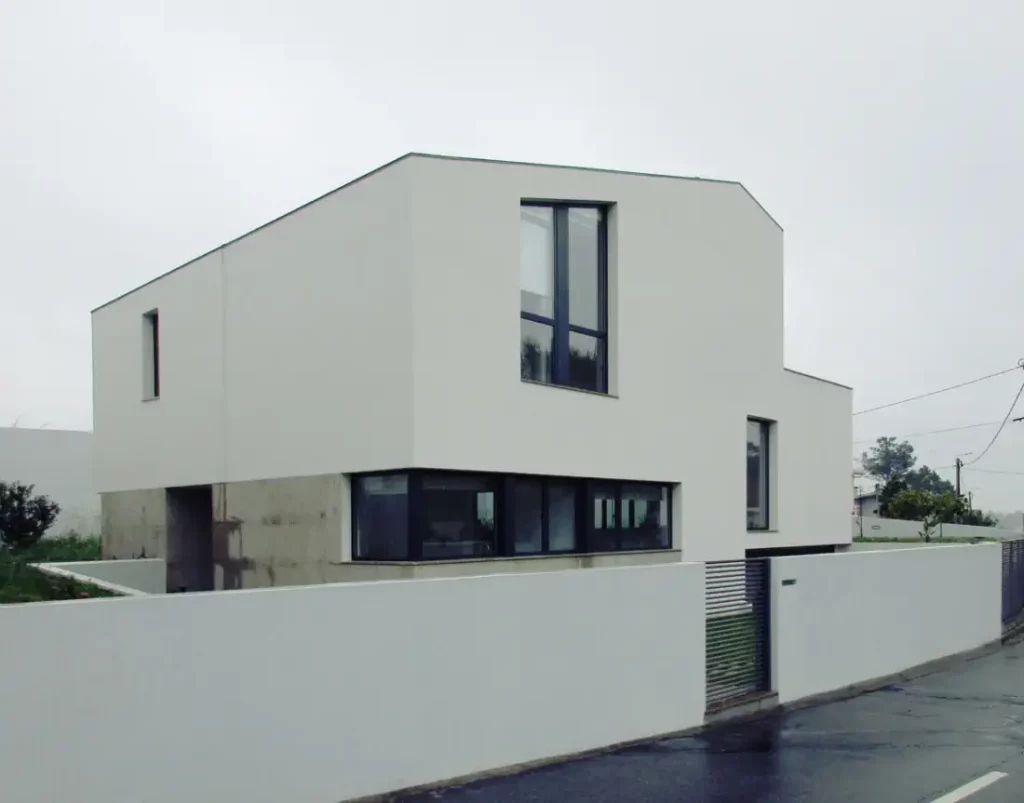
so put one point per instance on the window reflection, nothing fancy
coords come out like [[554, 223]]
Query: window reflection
[[458, 514], [535, 346], [382, 517], [757, 474]]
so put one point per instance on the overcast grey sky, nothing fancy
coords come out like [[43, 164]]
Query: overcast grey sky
[[886, 138]]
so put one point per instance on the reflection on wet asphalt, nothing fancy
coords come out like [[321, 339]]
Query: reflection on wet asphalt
[[908, 743]]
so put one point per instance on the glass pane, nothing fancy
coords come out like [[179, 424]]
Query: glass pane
[[528, 519], [458, 517], [605, 535], [537, 260], [645, 517], [584, 234], [561, 516], [536, 341], [757, 475], [382, 517], [586, 362]]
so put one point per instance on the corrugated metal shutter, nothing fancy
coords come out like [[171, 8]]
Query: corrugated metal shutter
[[737, 634], [1013, 579]]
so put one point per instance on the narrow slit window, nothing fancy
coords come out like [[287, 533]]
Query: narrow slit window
[[151, 355]]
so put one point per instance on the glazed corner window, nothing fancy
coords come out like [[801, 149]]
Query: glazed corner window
[[422, 515], [151, 355], [563, 289], [758, 432]]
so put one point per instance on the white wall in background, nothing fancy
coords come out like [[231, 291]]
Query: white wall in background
[[873, 527], [857, 616], [324, 693], [59, 463]]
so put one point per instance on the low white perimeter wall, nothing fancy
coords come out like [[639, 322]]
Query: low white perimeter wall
[[856, 616], [899, 528], [318, 694], [148, 575]]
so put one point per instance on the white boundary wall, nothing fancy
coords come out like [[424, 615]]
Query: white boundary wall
[[145, 575], [853, 617], [875, 527], [320, 694]]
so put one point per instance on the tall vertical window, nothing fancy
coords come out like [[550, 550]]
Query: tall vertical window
[[151, 355], [563, 284], [757, 473]]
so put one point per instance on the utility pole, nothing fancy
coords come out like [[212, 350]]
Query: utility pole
[[959, 463]]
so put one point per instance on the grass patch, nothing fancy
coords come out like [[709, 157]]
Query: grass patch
[[72, 547], [20, 582], [734, 639], [867, 539]]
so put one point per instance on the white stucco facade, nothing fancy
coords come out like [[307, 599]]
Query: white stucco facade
[[377, 328]]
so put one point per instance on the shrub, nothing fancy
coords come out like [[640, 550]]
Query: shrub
[[24, 516]]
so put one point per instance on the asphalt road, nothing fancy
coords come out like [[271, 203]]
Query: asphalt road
[[911, 743]]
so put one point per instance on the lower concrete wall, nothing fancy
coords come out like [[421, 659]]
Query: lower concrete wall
[[321, 694], [844, 619], [134, 524], [148, 576], [277, 532]]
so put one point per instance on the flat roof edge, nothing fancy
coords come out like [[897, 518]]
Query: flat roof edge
[[817, 378]]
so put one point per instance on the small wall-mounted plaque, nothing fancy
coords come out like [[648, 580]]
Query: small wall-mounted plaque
[[790, 582]]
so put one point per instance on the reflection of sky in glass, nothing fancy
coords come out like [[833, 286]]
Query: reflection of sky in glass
[[536, 260]]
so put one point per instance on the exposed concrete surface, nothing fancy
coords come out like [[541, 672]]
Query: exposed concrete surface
[[277, 532], [134, 524], [905, 743]]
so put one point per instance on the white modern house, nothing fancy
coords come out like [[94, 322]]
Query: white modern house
[[334, 395]]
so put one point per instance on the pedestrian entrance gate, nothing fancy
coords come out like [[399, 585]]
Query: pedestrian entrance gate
[[737, 605]]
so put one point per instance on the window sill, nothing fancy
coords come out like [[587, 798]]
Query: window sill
[[761, 530], [499, 558], [572, 389], [150, 398]]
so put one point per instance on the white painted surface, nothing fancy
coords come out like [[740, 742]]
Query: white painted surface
[[59, 464], [857, 616], [971, 788], [379, 326], [285, 353], [148, 575], [324, 693]]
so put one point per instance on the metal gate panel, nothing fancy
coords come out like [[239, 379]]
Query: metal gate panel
[[737, 631], [1013, 579]]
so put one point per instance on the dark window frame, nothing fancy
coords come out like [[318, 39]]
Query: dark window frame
[[765, 428], [151, 357], [504, 514], [560, 323]]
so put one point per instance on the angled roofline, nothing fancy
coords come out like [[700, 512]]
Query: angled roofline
[[422, 155], [817, 378]]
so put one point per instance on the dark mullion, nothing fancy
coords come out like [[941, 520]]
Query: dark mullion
[[583, 330], [414, 546], [545, 545], [561, 345], [620, 512], [584, 519], [532, 316], [505, 516]]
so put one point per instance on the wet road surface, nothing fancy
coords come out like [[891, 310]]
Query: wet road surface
[[908, 743]]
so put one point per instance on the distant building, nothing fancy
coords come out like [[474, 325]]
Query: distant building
[[58, 462]]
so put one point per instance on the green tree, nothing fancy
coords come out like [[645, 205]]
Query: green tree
[[926, 479], [946, 507], [24, 516], [889, 459]]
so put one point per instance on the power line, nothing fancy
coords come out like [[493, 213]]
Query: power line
[[1020, 364], [936, 431], [994, 471], [1001, 426]]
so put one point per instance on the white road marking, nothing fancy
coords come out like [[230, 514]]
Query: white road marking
[[969, 789]]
